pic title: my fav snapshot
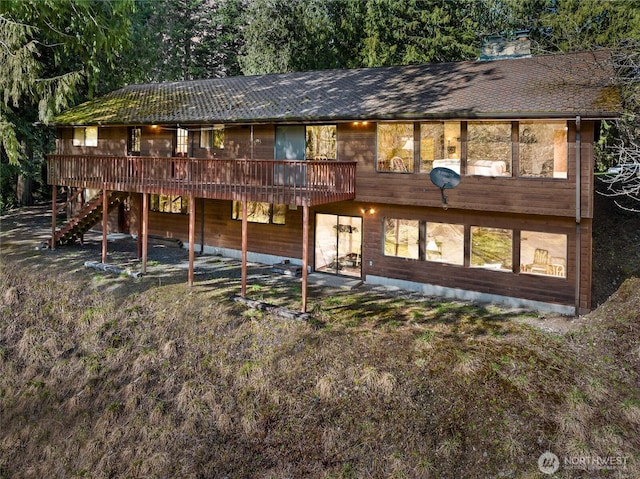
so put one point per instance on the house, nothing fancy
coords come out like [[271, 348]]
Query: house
[[330, 170]]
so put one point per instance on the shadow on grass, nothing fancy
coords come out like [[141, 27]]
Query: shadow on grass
[[220, 278]]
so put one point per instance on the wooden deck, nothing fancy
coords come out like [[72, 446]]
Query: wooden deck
[[302, 183]]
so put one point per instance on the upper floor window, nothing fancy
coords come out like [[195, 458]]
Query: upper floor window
[[85, 136], [395, 147], [489, 148], [182, 142], [135, 135], [543, 149], [321, 142], [440, 145], [212, 137]]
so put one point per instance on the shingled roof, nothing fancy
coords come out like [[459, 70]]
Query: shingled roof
[[549, 86]]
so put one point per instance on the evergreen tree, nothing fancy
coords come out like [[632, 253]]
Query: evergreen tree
[[52, 53]]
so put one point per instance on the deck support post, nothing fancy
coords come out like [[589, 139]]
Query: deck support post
[[243, 288], [145, 230], [54, 213], [305, 255], [105, 219], [192, 236], [139, 220]]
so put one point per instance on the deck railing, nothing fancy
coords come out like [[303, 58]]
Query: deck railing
[[271, 181]]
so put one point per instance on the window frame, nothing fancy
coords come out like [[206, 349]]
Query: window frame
[[397, 163], [491, 167], [408, 244], [212, 137], [82, 139], [155, 203], [236, 212], [134, 139], [181, 148]]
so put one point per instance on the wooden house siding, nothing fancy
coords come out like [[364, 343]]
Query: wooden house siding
[[515, 203]]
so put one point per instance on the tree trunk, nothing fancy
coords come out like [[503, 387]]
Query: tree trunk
[[24, 190]]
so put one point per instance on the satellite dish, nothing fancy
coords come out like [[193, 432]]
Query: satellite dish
[[444, 178]]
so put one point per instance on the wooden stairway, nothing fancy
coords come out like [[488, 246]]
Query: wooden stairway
[[89, 216]]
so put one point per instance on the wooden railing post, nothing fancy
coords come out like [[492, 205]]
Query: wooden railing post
[[54, 212], [192, 235], [105, 219]]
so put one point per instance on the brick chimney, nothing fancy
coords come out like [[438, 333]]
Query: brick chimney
[[496, 47]]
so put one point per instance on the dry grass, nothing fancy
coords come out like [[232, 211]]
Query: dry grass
[[160, 381]]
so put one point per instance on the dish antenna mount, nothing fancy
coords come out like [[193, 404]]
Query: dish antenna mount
[[445, 179]]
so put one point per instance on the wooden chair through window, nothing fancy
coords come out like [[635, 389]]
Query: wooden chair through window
[[540, 263], [397, 164]]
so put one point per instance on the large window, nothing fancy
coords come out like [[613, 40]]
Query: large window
[[543, 149], [182, 142], [445, 243], [543, 253], [169, 204], [491, 248], [489, 148], [321, 142], [402, 238], [212, 137], [85, 136], [440, 145], [395, 147], [260, 212]]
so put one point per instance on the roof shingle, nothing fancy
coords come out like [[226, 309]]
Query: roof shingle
[[550, 85]]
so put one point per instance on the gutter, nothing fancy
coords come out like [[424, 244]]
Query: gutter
[[578, 213]]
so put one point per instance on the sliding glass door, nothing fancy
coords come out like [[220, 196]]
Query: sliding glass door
[[338, 245]]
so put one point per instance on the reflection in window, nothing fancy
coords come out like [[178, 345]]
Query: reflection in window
[[182, 141], [543, 149], [543, 253], [401, 238], [440, 145], [85, 136], [134, 141], [491, 248], [169, 204], [489, 148], [395, 147], [445, 243], [212, 137], [258, 212], [321, 142]]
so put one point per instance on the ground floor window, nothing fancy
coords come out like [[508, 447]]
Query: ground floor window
[[402, 238], [492, 248], [258, 212], [169, 204], [445, 243], [543, 253]]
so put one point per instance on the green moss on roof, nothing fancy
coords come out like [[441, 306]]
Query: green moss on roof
[[552, 84]]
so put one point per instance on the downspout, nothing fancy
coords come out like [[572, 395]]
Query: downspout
[[578, 215]]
